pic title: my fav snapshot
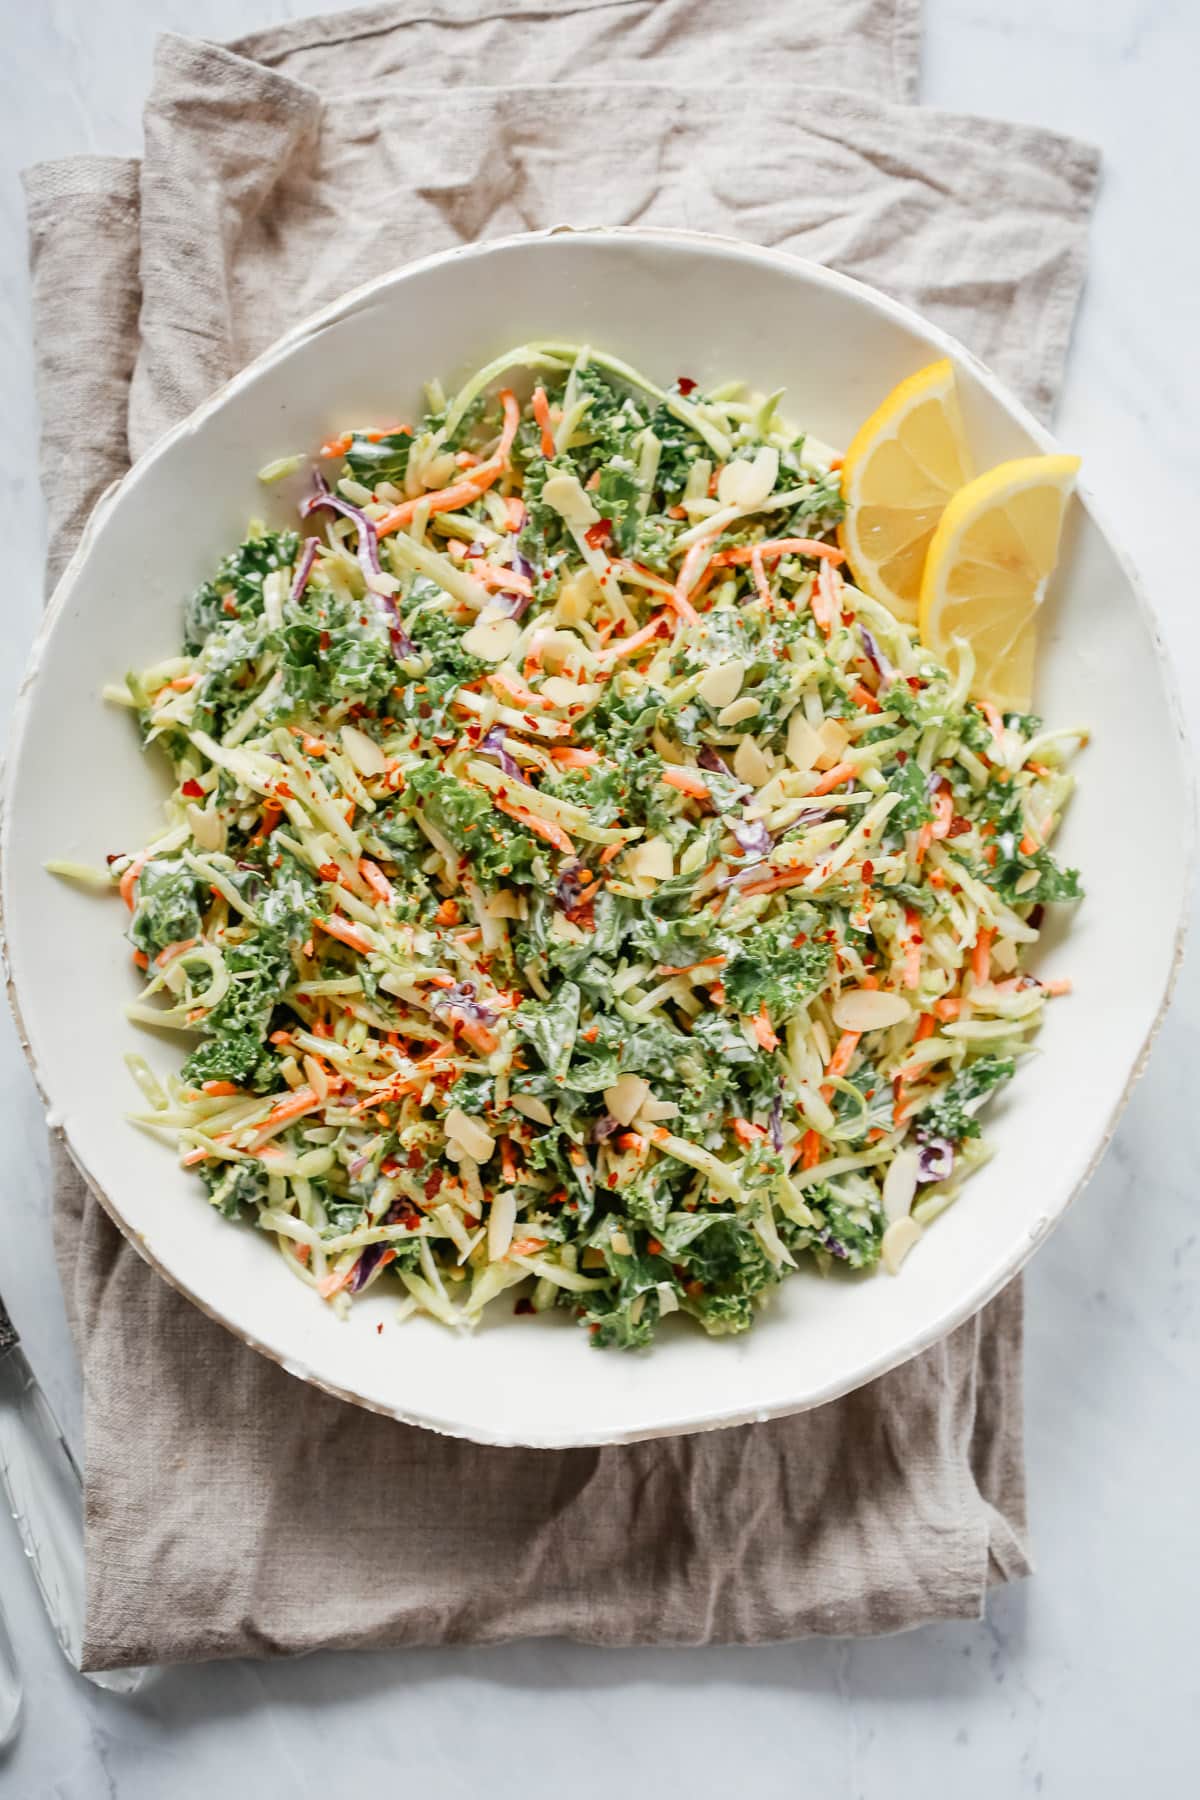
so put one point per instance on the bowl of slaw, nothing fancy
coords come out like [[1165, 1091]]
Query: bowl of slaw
[[749, 317]]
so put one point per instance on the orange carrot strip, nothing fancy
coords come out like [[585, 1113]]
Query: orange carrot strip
[[763, 1030], [948, 1008], [834, 777], [774, 548], [553, 834], [631, 645], [810, 1149], [141, 960], [500, 578], [865, 697], [706, 962], [746, 1132], [981, 955], [925, 1025], [376, 880], [526, 1246], [461, 493], [772, 884], [129, 879], [924, 839], [567, 756], [345, 933], [541, 412], [694, 786]]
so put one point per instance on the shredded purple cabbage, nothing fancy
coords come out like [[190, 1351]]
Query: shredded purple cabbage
[[365, 1267], [461, 999], [567, 887], [708, 759], [307, 559], [496, 744], [368, 541], [884, 668], [935, 1160], [753, 837]]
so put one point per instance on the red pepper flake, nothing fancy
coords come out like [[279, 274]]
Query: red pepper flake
[[868, 871], [653, 1247], [598, 535], [433, 1183], [324, 640], [379, 1327], [192, 789], [229, 606], [686, 385], [416, 1159], [283, 790], [523, 1305], [801, 937], [914, 683], [902, 757], [958, 826]]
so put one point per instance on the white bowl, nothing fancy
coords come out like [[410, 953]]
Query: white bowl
[[79, 787]]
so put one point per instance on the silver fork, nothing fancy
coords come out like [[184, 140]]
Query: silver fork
[[45, 1496]]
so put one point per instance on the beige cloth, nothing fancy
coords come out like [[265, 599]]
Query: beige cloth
[[230, 1509]]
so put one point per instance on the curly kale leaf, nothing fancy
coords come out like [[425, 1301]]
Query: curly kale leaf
[[167, 909], [951, 1115], [238, 580], [771, 969]]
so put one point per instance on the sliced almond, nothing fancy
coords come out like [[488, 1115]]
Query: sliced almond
[[900, 1184], [492, 637], [363, 751], [803, 743], [626, 1097], [747, 483], [439, 471], [722, 684], [577, 597], [569, 501], [651, 861], [869, 1009], [832, 741], [738, 710], [502, 1221], [532, 1108], [503, 904], [898, 1240], [750, 764], [208, 828], [468, 1134], [653, 1109], [620, 1244], [561, 692]]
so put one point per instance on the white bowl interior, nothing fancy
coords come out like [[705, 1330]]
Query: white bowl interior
[[80, 787]]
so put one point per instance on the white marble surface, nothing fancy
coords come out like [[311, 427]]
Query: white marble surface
[[1080, 1682]]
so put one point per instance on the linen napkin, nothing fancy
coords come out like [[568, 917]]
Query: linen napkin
[[230, 1509]]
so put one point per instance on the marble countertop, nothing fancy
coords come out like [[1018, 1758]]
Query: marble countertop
[[1081, 1681]]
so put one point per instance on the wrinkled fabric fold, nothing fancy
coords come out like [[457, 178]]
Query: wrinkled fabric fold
[[230, 1509]]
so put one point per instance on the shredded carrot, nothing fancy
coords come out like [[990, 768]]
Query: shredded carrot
[[376, 880], [650, 630], [346, 933], [773, 884], [1029, 845], [746, 1132], [141, 960], [526, 1246], [129, 880], [762, 586], [948, 1008], [543, 828], [772, 549], [1061, 986], [568, 756], [706, 962], [981, 955], [302, 1101], [460, 493], [541, 412], [810, 1149], [925, 1028], [337, 446], [447, 913], [924, 839], [833, 778], [763, 1030], [694, 786], [609, 853]]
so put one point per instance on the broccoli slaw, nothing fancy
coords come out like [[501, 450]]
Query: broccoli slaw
[[572, 884]]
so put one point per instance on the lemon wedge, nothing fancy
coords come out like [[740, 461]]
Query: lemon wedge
[[987, 568], [898, 475]]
